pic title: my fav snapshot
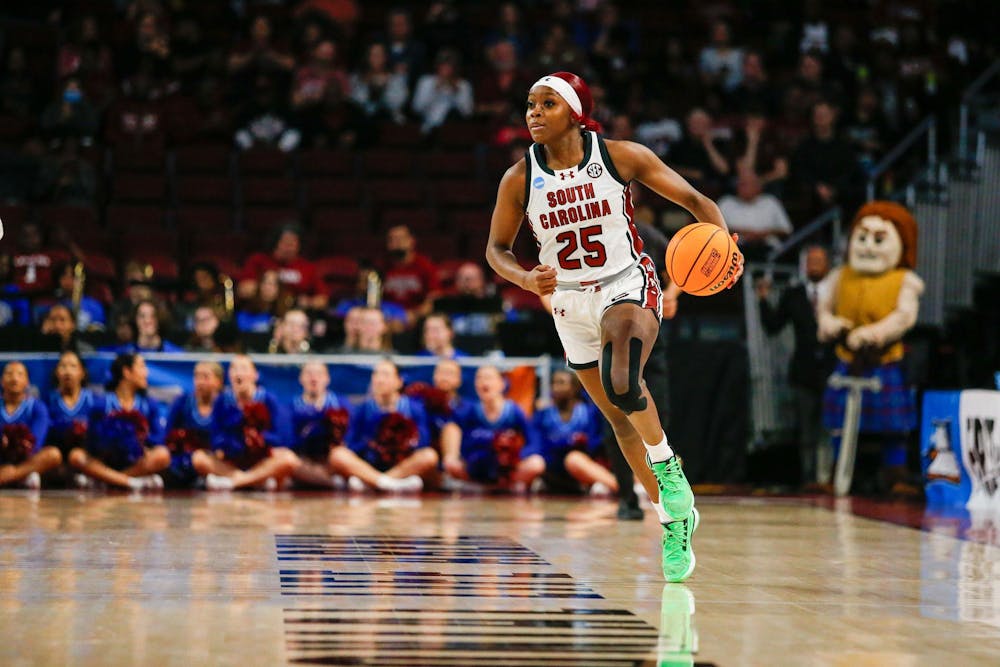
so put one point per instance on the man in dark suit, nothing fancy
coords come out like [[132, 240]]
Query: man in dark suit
[[812, 361]]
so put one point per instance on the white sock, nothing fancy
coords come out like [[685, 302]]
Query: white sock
[[218, 483], [33, 481], [661, 513], [386, 483], [338, 482], [660, 451], [410, 484], [356, 485], [137, 483]]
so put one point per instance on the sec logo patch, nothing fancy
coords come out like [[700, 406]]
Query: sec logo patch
[[594, 170]]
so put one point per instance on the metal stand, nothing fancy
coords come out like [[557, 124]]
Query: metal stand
[[852, 421]]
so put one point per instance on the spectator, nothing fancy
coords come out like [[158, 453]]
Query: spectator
[[444, 26], [811, 362], [387, 459], [87, 57], [19, 95], [59, 320], [510, 28], [296, 274], [138, 287], [442, 94], [24, 423], [824, 168], [811, 86], [754, 94], [656, 129], [189, 423], [265, 119], [260, 55], [206, 324], [497, 444], [204, 288], [266, 302], [379, 91], [443, 404], [395, 314], [866, 129], [137, 119], [366, 332], [503, 84], [32, 261], [149, 50], [614, 45], [66, 178], [759, 218], [125, 438], [557, 54], [291, 334], [192, 54], [148, 323], [320, 421], [814, 33], [406, 54], [720, 63], [410, 279], [250, 435], [761, 153], [472, 310], [89, 311], [72, 115], [696, 157], [438, 338], [316, 84]]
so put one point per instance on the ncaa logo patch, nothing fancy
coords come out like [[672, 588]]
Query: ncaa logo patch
[[594, 170], [538, 183]]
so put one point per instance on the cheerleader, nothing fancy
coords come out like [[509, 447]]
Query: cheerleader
[[388, 443], [125, 435], [249, 435], [189, 423], [70, 404], [24, 421], [569, 437], [442, 403], [320, 420], [497, 446]]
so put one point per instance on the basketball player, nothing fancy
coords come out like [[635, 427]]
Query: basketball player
[[573, 186]]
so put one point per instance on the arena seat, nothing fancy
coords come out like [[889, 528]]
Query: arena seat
[[383, 162], [322, 191], [399, 135], [204, 218], [72, 216], [460, 193], [449, 164], [129, 187], [125, 217], [263, 221], [204, 189], [396, 192], [439, 247], [212, 243], [268, 191], [326, 162], [138, 158], [263, 161], [202, 159], [337, 220]]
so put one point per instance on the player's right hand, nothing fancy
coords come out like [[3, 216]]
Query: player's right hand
[[541, 280]]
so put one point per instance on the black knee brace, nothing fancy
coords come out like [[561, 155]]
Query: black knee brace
[[632, 400]]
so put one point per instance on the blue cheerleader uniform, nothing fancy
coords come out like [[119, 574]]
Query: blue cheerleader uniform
[[365, 426], [478, 434], [311, 434], [65, 419]]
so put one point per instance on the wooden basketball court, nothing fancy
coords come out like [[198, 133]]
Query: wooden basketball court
[[273, 579]]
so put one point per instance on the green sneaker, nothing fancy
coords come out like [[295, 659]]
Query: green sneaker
[[678, 638], [678, 554], [676, 497]]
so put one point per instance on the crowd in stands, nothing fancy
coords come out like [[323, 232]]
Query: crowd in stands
[[306, 176]]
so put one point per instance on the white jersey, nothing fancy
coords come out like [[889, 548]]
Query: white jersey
[[581, 217]]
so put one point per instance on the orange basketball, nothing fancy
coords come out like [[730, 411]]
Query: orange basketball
[[701, 258]]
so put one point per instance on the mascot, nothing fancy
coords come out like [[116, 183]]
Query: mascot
[[868, 306]]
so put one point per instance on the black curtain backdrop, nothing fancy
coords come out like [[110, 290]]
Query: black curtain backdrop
[[709, 409]]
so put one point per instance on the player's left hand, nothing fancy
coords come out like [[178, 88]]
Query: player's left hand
[[739, 264]]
